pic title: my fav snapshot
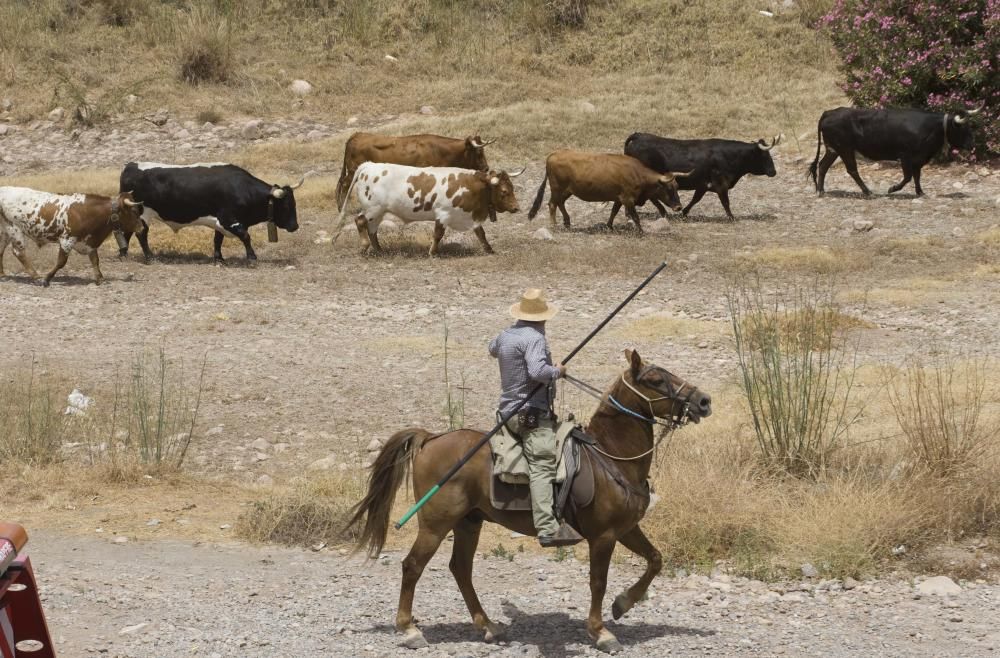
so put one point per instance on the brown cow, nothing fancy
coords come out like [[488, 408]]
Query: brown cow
[[603, 177], [411, 150], [76, 221]]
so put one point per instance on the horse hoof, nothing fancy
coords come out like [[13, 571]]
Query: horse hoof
[[414, 639], [621, 605], [494, 633], [608, 643]]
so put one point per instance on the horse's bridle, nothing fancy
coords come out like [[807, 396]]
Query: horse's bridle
[[673, 421]]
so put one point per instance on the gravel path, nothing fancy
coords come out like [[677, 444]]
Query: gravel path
[[168, 599]]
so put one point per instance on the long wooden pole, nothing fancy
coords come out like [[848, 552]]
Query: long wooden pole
[[503, 421]]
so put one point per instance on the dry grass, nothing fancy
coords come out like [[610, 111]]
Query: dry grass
[[311, 512], [717, 503], [533, 52], [820, 260], [661, 326]]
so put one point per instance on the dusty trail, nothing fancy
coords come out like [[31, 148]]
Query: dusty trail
[[167, 599]]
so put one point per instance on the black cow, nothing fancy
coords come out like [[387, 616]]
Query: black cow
[[715, 165], [221, 196], [911, 136]]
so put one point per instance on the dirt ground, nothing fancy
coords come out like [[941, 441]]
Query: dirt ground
[[322, 349]]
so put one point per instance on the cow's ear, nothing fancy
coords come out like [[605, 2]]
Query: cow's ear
[[634, 361]]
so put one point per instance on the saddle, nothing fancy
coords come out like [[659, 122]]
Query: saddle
[[574, 472]]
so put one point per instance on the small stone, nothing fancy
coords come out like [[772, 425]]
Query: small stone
[[702, 345], [131, 100], [260, 444], [809, 571], [863, 225], [6, 105], [128, 630], [120, 540], [314, 136], [214, 430], [374, 445], [427, 109], [958, 232], [251, 129], [261, 457], [6, 129], [352, 121], [390, 58], [588, 107], [940, 586], [265, 481], [957, 185], [421, 312], [225, 526], [57, 114], [183, 133], [300, 88], [542, 234], [324, 464], [850, 583], [153, 522]]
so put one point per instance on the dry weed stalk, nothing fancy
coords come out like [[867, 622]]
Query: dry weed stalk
[[939, 408], [797, 371]]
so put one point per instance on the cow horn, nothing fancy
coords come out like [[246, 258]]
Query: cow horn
[[518, 173], [975, 111], [278, 192], [959, 119], [477, 143], [684, 174], [767, 147], [130, 203], [299, 184]]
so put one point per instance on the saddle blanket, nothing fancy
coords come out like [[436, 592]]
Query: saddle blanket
[[509, 463]]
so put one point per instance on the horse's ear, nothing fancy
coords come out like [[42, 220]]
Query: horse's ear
[[634, 360]]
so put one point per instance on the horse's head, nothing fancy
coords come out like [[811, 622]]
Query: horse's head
[[664, 394]]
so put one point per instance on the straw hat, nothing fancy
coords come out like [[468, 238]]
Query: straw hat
[[533, 307]]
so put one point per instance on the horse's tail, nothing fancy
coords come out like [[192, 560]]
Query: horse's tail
[[819, 143], [387, 473], [541, 194]]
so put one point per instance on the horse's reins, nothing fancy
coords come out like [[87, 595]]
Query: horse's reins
[[668, 424]]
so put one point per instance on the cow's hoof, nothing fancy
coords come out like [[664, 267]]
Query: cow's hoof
[[45, 283]]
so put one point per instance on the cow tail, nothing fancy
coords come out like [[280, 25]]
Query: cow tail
[[341, 197], [343, 208], [541, 195], [819, 143]]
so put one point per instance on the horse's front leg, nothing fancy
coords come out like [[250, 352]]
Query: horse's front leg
[[601, 549], [637, 542]]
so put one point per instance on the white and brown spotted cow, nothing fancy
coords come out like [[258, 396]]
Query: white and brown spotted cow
[[457, 199], [74, 221]]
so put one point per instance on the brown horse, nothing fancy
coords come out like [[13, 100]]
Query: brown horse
[[621, 496]]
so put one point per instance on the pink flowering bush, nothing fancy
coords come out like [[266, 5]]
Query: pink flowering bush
[[940, 55]]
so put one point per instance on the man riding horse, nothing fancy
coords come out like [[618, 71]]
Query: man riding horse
[[525, 361]]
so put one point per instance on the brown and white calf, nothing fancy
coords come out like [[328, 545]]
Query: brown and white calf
[[459, 199], [74, 221]]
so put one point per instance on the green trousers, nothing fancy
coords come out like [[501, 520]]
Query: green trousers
[[540, 451]]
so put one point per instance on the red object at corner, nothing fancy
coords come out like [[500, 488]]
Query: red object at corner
[[21, 616]]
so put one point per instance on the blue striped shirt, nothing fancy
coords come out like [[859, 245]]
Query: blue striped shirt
[[525, 361]]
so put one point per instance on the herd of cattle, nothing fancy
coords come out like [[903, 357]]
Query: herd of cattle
[[449, 181]]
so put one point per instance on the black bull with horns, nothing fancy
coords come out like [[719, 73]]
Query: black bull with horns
[[912, 137], [714, 165], [223, 197]]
